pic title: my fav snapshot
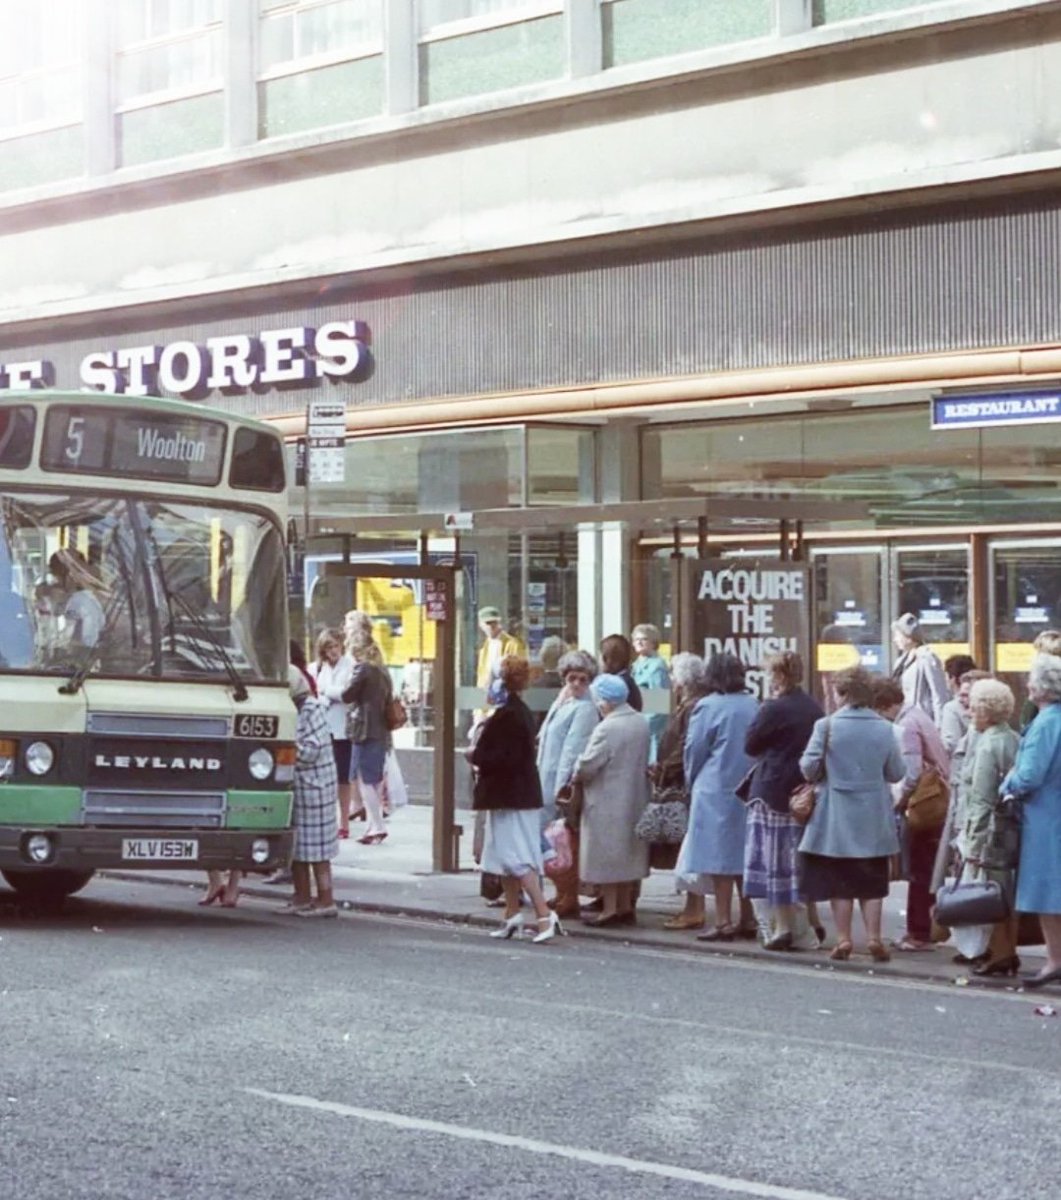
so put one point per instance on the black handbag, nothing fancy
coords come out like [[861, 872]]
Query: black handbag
[[972, 902]]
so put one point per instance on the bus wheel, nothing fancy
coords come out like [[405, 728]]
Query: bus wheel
[[47, 885]]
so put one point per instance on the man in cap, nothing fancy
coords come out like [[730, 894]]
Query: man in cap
[[495, 647]]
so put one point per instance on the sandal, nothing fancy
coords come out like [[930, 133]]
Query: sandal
[[841, 952], [683, 922], [718, 933], [879, 952], [911, 945]]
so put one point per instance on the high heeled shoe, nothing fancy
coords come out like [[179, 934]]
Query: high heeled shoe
[[212, 895], [509, 927], [551, 930], [1038, 981], [1001, 966]]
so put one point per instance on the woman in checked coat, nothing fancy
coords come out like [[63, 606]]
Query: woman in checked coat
[[316, 792]]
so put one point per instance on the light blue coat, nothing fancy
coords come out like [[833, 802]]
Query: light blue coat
[[650, 671], [561, 739], [854, 816], [715, 763], [1036, 779]]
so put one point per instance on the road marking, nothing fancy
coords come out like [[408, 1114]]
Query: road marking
[[594, 1158]]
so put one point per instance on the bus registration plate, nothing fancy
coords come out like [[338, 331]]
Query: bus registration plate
[[160, 849]]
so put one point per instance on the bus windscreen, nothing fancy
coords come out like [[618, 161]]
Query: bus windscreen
[[130, 442]]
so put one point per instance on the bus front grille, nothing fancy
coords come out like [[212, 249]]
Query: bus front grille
[[153, 810]]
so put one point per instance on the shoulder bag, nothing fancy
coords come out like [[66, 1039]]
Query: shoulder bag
[[801, 800], [926, 808]]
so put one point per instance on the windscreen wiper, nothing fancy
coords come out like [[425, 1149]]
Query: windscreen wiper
[[110, 617], [202, 628]]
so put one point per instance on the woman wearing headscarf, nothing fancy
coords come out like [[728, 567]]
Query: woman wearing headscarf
[[712, 853], [853, 755], [650, 672], [918, 670], [562, 738], [332, 674], [1036, 781], [776, 739], [507, 788], [990, 833], [613, 770], [315, 797]]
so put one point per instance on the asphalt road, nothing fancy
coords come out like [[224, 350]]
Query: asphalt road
[[150, 1049]]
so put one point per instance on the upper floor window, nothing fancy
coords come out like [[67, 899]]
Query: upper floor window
[[435, 15], [293, 31], [168, 47], [40, 65]]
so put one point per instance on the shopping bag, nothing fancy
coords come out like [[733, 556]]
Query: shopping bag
[[397, 793], [562, 860]]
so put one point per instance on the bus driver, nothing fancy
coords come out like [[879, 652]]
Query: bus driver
[[82, 614]]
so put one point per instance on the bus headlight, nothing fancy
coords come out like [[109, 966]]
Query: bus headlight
[[260, 764], [260, 850], [39, 847], [40, 758], [8, 751]]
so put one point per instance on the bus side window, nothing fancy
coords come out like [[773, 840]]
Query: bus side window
[[16, 436], [257, 461]]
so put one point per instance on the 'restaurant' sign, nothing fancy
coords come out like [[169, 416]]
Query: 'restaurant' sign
[[751, 608], [297, 356], [978, 409]]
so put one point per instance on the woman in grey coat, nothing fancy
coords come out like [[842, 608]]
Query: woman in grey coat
[[854, 755], [613, 770]]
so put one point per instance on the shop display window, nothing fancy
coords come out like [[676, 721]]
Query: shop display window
[[635, 30]]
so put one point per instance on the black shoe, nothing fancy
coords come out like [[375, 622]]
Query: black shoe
[[1001, 966], [605, 922], [819, 933], [1038, 981], [593, 906], [780, 941], [979, 960]]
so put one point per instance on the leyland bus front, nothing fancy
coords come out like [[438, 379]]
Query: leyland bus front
[[145, 720]]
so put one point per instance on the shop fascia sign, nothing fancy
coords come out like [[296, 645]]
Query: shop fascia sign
[[295, 356], [976, 410]]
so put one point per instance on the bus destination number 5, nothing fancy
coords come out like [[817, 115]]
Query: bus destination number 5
[[75, 438], [249, 726]]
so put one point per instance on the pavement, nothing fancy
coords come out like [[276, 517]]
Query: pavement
[[395, 878], [158, 1051]]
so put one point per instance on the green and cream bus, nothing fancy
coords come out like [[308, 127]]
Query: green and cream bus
[[145, 719]]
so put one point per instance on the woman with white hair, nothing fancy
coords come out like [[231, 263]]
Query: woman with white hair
[[613, 770], [989, 834], [1036, 781], [650, 673], [668, 773]]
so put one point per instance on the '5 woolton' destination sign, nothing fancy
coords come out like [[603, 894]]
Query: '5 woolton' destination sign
[[230, 363]]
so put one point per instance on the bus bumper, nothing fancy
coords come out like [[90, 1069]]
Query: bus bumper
[[146, 849]]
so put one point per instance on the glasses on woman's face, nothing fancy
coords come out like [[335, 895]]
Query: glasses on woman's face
[[581, 680]]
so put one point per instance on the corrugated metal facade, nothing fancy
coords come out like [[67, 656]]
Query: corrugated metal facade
[[924, 281]]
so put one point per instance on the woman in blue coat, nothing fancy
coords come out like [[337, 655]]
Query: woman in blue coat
[[712, 853], [567, 727], [1036, 780]]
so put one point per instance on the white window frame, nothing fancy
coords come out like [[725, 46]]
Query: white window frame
[[528, 10], [313, 62], [32, 75], [168, 95]]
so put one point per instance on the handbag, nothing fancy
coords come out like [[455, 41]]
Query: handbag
[[562, 860], [926, 808], [972, 902], [665, 817], [802, 799], [394, 714], [569, 802]]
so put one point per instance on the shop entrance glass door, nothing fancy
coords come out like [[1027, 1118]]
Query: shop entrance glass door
[[849, 618], [1026, 599], [933, 583]]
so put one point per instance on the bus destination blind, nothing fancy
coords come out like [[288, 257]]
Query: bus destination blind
[[128, 442]]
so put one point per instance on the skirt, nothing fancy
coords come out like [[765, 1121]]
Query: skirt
[[513, 842], [367, 760], [316, 825], [824, 878], [771, 859]]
